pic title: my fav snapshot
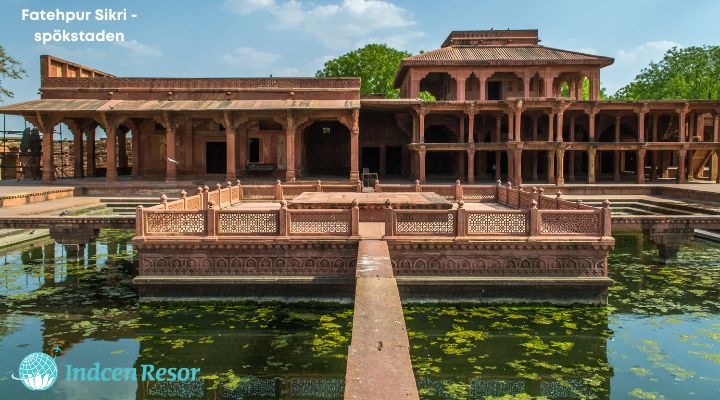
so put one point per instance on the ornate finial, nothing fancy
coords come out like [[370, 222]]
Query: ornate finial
[[533, 203], [211, 204], [457, 181], [163, 198], [606, 203], [139, 206], [388, 203], [199, 189], [206, 188], [319, 182], [461, 203], [534, 189], [354, 203], [183, 194], [218, 186], [283, 203], [238, 182], [229, 183], [417, 181], [541, 190], [509, 185], [277, 182], [558, 194]]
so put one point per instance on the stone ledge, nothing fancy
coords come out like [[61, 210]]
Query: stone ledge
[[502, 281]]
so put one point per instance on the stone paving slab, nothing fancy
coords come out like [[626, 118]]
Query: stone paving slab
[[379, 366]]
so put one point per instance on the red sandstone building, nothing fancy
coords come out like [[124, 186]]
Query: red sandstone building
[[507, 108]]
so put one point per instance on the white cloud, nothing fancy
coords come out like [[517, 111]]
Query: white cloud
[[340, 25], [588, 50], [140, 49], [244, 7], [646, 52], [250, 58]]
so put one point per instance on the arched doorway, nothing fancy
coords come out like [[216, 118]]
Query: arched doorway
[[326, 149]]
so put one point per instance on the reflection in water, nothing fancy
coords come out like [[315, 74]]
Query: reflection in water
[[84, 303], [658, 338]]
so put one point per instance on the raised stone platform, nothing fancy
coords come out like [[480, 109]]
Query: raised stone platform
[[371, 205]]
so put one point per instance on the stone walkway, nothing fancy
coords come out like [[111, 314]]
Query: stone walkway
[[378, 366]]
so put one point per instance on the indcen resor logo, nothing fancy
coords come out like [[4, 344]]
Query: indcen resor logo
[[37, 371]]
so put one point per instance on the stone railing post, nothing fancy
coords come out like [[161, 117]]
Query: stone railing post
[[579, 204], [418, 187], [458, 190], [278, 190], [606, 219], [359, 186], [377, 187], [140, 221], [230, 189], [240, 190], [462, 219], [558, 199], [498, 188], [535, 194], [199, 192], [206, 196], [183, 197], [541, 193], [318, 186], [534, 219], [218, 189], [283, 219], [354, 218], [210, 219], [389, 219], [163, 201]]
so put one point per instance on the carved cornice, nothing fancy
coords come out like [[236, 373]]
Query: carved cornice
[[202, 83]]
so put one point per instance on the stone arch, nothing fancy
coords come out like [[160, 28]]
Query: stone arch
[[439, 84]]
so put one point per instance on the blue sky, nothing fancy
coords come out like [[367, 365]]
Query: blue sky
[[216, 38]]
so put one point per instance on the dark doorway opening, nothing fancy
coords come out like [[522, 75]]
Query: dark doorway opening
[[441, 164], [494, 90], [393, 160], [371, 159], [254, 150], [215, 157], [326, 149]]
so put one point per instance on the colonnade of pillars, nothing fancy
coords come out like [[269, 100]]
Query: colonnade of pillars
[[660, 159]]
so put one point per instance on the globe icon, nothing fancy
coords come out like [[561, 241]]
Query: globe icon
[[37, 371]]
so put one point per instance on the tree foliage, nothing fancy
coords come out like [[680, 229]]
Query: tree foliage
[[10, 68], [687, 73], [375, 64]]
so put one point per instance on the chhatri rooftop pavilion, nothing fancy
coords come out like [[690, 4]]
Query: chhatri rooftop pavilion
[[506, 108]]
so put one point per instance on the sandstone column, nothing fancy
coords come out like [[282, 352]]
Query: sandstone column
[[170, 166], [550, 166], [591, 165], [560, 180], [640, 174], [230, 161], [471, 165], [111, 151], [90, 152], [48, 156], [681, 177], [122, 147], [77, 153], [421, 164], [135, 144], [355, 146]]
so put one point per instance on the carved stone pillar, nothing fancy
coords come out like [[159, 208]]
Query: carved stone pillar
[[550, 166], [571, 166], [617, 154], [681, 124], [170, 161], [591, 126], [641, 126], [421, 125], [591, 165], [48, 157], [471, 165], [460, 79], [551, 129], [655, 118], [681, 177], [421, 164], [559, 135], [230, 161], [640, 174], [111, 147], [560, 154], [355, 146], [517, 168], [716, 128]]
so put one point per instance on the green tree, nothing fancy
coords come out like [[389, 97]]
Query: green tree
[[687, 73], [375, 64], [565, 90], [10, 68]]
